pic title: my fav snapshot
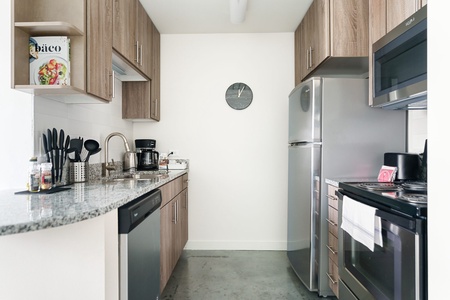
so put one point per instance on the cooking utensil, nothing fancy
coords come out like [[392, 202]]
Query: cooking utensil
[[55, 147], [90, 146], [78, 145], [61, 153], [66, 148], [50, 148], [44, 142]]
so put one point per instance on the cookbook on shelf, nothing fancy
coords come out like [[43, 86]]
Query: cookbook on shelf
[[49, 60]]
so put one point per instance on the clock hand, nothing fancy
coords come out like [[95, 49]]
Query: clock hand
[[240, 91]]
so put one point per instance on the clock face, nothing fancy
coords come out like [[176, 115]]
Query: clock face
[[239, 95]]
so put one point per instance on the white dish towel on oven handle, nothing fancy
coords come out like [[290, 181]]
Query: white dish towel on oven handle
[[359, 220]]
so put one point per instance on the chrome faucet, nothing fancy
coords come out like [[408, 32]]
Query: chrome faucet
[[130, 157]]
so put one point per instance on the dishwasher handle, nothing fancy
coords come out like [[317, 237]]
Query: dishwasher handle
[[134, 212]]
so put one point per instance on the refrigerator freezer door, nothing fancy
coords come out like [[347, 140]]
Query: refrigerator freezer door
[[303, 198], [305, 111]]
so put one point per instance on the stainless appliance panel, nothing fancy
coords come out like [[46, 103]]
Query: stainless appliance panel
[[400, 65], [139, 248], [389, 272], [303, 196], [305, 111]]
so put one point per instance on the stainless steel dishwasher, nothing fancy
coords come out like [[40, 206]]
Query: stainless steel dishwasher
[[139, 247]]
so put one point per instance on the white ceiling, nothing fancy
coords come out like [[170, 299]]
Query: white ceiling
[[213, 16]]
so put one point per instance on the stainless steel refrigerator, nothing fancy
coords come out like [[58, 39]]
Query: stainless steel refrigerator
[[333, 134]]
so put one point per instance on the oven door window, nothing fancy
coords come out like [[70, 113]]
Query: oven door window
[[389, 271]]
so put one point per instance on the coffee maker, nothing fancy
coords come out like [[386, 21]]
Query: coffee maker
[[147, 156]]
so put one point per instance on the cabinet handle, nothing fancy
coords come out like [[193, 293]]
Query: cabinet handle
[[310, 57], [331, 278], [174, 215], [331, 197], [331, 222], [113, 84], [332, 250], [140, 56], [176, 212], [137, 52], [307, 59]]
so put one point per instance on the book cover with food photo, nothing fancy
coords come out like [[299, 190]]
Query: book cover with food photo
[[49, 60]]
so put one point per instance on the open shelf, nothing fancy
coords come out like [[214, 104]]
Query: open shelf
[[49, 28]]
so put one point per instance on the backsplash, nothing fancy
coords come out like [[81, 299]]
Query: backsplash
[[417, 130], [89, 121]]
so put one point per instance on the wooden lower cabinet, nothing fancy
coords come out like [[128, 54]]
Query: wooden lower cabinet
[[174, 225], [333, 270]]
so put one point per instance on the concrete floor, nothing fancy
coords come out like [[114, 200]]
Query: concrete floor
[[243, 275]]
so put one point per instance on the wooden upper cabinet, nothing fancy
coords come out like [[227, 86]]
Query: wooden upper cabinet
[[144, 35], [155, 93], [124, 28], [300, 64], [331, 29], [99, 49], [88, 25], [399, 10], [349, 28], [131, 37]]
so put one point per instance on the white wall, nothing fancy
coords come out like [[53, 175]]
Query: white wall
[[439, 160], [417, 130], [16, 116], [238, 159]]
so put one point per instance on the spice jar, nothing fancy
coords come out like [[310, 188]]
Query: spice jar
[[46, 176], [33, 175]]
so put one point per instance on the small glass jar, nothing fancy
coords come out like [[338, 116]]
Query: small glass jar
[[46, 176], [34, 176]]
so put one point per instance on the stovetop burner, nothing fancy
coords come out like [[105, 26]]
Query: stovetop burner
[[409, 197], [414, 198], [380, 186], [415, 186]]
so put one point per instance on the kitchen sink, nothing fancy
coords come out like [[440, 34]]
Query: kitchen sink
[[130, 177]]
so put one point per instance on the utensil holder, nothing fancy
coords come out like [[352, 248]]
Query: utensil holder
[[79, 172]]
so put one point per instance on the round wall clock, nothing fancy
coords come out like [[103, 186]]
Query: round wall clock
[[239, 95]]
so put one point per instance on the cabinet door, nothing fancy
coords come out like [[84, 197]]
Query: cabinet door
[[398, 10], [124, 28], [136, 100], [299, 58], [184, 218], [143, 40], [349, 28], [314, 37], [320, 30], [167, 243], [100, 78], [156, 75]]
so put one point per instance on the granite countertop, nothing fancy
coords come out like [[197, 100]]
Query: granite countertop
[[29, 212]]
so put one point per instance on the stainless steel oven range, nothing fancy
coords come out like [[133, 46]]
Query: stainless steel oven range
[[398, 268]]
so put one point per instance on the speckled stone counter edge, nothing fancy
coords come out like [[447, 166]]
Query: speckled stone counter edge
[[98, 197]]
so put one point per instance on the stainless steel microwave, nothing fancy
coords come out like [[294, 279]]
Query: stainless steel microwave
[[399, 71]]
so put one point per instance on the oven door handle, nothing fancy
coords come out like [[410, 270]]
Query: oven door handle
[[404, 222]]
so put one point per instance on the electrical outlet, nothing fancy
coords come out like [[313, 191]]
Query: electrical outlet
[[174, 153]]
